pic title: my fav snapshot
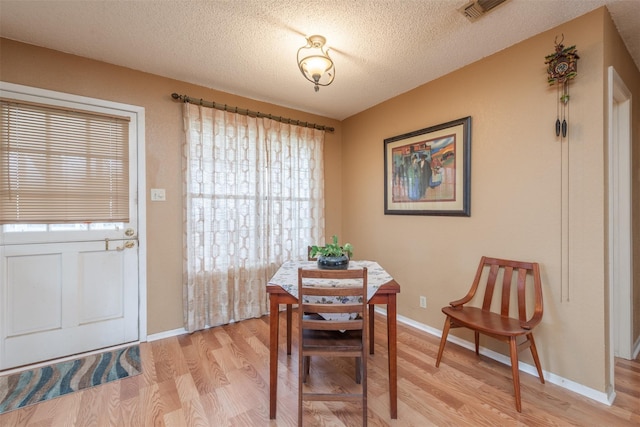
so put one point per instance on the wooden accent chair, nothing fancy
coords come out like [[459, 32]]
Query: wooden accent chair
[[503, 325], [332, 338]]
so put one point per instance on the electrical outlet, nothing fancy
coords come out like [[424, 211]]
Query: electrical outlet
[[423, 302]]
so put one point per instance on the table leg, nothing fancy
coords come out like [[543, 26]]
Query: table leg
[[289, 318], [273, 356], [392, 334]]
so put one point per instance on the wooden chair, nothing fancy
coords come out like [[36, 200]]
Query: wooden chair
[[503, 325], [372, 312], [332, 338], [309, 257], [289, 312]]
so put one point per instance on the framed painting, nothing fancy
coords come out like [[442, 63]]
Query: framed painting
[[428, 171]]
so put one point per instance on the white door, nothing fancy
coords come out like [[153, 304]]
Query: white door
[[620, 225], [71, 288], [66, 298]]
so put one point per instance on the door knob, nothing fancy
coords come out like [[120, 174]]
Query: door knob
[[128, 245]]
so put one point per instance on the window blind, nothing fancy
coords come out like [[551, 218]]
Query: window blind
[[62, 165]]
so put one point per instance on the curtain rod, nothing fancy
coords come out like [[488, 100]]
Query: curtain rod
[[245, 112]]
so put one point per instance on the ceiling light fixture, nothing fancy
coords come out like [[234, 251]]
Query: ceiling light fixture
[[314, 62]]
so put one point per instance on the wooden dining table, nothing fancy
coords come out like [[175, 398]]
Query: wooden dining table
[[282, 289]]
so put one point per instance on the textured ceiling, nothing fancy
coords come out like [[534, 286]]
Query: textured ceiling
[[248, 47]]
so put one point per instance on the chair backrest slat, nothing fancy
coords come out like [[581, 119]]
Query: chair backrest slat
[[506, 290], [329, 291], [332, 274], [520, 275], [331, 308], [522, 294], [491, 284]]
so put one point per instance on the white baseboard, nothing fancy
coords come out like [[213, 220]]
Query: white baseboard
[[166, 334], [602, 397]]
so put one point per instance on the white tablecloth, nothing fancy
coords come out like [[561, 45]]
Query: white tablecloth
[[287, 275]]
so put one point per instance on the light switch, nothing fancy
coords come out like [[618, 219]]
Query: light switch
[[158, 195]]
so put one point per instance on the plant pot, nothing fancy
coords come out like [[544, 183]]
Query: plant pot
[[333, 262]]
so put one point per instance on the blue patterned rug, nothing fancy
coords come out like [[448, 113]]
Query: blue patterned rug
[[47, 382]]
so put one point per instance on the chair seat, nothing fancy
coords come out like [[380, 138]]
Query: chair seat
[[485, 321]]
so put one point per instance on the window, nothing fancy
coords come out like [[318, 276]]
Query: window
[[254, 198], [62, 166]]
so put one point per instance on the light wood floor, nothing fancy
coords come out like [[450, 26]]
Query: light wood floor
[[220, 377]]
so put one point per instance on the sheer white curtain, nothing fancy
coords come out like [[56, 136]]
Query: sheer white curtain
[[254, 198]]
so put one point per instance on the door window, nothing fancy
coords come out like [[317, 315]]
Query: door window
[[62, 165]]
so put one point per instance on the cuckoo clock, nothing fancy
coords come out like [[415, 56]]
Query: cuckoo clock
[[562, 66]]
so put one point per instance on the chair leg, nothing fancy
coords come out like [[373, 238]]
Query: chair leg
[[534, 353], [477, 338], [443, 340], [301, 360], [289, 320], [363, 366], [305, 369], [358, 370], [513, 349], [372, 312], [364, 403]]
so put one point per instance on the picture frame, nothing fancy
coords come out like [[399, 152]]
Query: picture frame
[[428, 171]]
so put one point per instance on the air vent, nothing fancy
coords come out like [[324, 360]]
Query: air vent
[[478, 8]]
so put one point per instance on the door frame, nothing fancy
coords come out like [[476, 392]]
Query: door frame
[[139, 193], [620, 244]]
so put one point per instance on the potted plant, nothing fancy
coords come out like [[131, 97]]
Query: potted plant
[[332, 256]]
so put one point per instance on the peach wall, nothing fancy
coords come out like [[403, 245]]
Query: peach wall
[[532, 197], [48, 69]]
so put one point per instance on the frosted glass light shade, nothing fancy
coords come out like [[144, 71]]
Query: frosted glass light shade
[[314, 62]]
